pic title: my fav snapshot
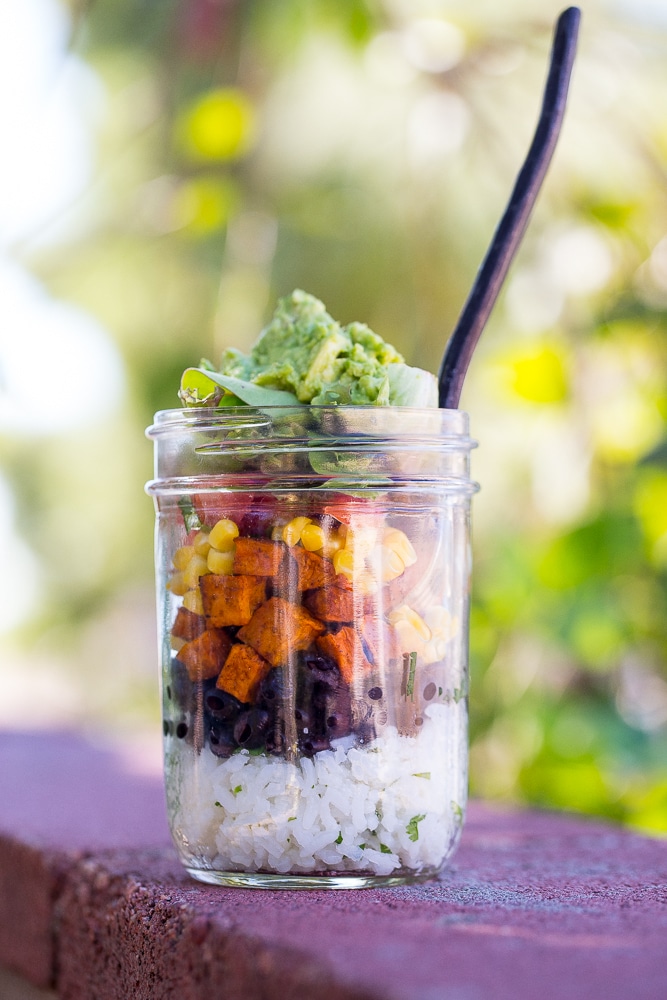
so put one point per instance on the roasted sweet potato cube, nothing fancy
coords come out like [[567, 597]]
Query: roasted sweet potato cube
[[205, 656], [257, 557], [243, 672], [346, 650], [230, 600], [188, 625], [312, 569], [331, 604], [279, 628]]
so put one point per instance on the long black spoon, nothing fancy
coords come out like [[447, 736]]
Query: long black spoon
[[512, 226]]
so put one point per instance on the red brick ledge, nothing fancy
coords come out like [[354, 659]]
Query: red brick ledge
[[94, 904]]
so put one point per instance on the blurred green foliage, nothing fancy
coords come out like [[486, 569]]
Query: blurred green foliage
[[364, 150]]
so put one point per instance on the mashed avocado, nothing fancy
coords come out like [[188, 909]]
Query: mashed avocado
[[305, 356]]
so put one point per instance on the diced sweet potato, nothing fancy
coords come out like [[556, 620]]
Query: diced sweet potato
[[243, 672], [187, 624], [205, 656], [257, 557], [279, 628], [347, 651], [230, 600], [312, 569], [331, 604]]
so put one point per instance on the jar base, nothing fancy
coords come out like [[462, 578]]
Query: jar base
[[272, 880]]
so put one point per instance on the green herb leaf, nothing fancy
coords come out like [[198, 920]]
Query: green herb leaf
[[339, 838], [384, 849], [411, 828], [410, 683], [239, 788], [290, 819], [218, 804], [191, 518], [422, 774]]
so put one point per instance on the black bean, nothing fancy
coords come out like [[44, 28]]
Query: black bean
[[317, 661], [181, 687], [221, 739], [275, 742], [303, 719], [365, 732], [182, 730], [321, 670], [272, 690], [251, 727], [221, 705], [375, 693], [313, 745]]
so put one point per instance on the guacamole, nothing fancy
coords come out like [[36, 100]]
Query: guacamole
[[305, 356]]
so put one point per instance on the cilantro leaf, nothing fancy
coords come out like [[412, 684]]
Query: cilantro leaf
[[412, 827]]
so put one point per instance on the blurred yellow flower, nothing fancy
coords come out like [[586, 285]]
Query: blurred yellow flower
[[650, 506], [204, 204], [540, 375], [220, 125]]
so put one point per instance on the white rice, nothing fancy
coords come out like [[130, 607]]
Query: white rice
[[393, 805]]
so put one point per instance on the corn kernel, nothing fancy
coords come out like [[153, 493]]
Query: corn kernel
[[409, 639], [343, 562], [201, 543], [220, 562], [439, 620], [387, 563], [312, 537], [177, 585], [434, 651], [397, 540], [429, 653], [193, 602], [183, 556], [222, 534], [406, 614], [292, 530], [197, 567], [332, 544]]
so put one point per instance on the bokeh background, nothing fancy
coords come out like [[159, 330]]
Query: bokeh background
[[170, 167]]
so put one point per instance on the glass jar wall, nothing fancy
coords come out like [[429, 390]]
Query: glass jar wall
[[313, 575]]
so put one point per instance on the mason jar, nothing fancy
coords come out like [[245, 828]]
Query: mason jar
[[313, 580]]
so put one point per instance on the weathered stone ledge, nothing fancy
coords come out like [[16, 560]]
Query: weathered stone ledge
[[95, 906]]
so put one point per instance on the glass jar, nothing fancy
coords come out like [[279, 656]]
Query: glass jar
[[313, 573]]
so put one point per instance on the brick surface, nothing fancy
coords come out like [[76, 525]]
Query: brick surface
[[533, 905]]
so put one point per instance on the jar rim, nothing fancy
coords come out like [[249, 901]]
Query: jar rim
[[399, 422]]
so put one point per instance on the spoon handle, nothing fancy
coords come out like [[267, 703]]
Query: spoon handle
[[512, 226]]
